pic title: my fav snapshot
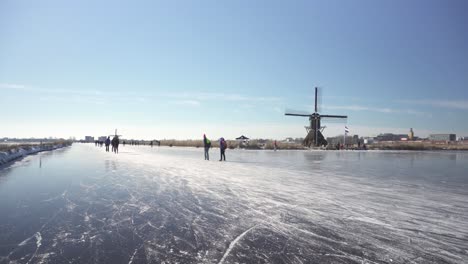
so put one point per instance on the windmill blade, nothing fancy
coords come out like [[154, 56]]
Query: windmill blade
[[291, 112], [316, 94], [334, 116]]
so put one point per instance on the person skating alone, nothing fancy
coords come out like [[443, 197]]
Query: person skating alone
[[206, 146], [222, 148]]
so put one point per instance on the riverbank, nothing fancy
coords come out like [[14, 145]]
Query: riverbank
[[268, 144], [233, 144], [418, 146], [9, 153]]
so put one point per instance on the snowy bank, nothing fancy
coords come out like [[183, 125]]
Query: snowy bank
[[21, 151]]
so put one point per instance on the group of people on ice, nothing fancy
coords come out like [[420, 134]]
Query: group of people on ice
[[222, 147], [114, 142]]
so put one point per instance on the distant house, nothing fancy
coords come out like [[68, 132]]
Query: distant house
[[89, 139], [391, 137], [242, 139], [464, 140], [442, 137]]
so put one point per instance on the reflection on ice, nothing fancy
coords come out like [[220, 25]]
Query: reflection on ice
[[154, 205]]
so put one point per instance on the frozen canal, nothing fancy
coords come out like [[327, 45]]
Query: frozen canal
[[167, 205]]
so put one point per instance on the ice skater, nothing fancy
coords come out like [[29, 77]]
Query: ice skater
[[222, 148], [206, 146], [115, 144], [108, 141]]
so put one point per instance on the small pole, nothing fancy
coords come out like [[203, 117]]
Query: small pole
[[344, 139]]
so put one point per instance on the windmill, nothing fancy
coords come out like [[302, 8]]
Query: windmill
[[115, 135], [314, 131]]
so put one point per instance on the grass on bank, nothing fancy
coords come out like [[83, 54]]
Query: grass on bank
[[428, 145], [8, 147], [232, 144]]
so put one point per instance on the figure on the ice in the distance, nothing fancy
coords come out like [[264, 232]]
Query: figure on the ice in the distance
[[206, 146], [115, 144], [222, 148], [107, 144]]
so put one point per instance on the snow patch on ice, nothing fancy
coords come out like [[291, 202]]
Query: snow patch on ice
[[38, 239]]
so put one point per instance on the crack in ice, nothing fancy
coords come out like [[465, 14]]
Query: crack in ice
[[233, 243], [38, 245], [134, 253]]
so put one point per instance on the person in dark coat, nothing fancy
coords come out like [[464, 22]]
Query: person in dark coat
[[108, 141], [222, 148], [115, 144]]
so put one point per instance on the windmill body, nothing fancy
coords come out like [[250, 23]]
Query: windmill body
[[314, 131]]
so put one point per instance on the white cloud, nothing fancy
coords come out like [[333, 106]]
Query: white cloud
[[186, 102], [13, 86], [26, 88], [278, 110], [77, 99], [203, 96], [377, 109], [452, 104], [186, 98]]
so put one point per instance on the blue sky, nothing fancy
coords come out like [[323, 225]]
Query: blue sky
[[178, 69]]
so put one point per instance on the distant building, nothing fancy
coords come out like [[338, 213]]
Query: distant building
[[368, 140], [443, 137], [89, 139], [103, 138], [391, 137], [242, 139], [350, 140], [411, 134]]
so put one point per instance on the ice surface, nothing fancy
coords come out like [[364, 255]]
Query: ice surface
[[155, 205]]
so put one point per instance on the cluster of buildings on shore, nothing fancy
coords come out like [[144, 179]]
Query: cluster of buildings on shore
[[390, 137]]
